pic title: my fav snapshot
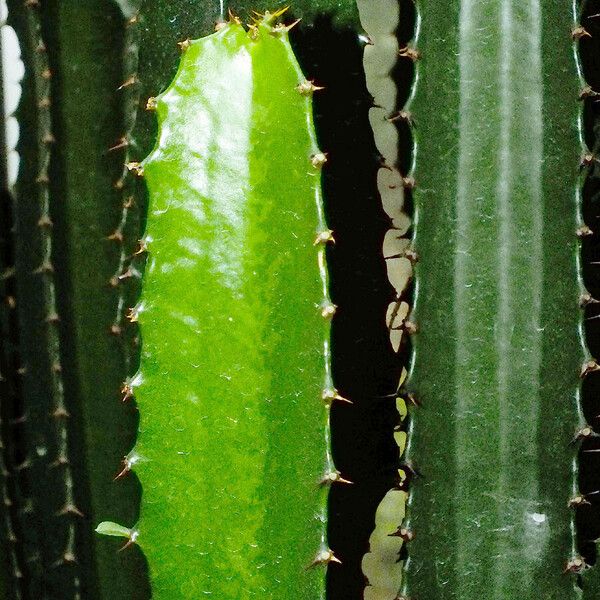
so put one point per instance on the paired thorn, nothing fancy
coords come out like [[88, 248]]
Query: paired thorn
[[583, 232], [408, 466], [334, 477], [587, 160], [578, 500], [413, 401], [45, 267], [308, 88], [365, 38], [281, 28], [587, 92], [45, 221], [135, 168], [407, 535], [184, 45], [401, 115], [331, 395], [410, 327], [412, 255], [318, 160], [122, 142], [253, 33], [116, 236], [328, 310], [233, 18], [324, 237], [61, 413], [133, 313], [584, 433], [575, 565], [586, 298], [131, 541], [127, 274], [52, 318], [69, 509], [127, 464], [67, 558], [410, 52], [61, 461], [578, 32], [126, 389], [409, 183], [142, 247], [588, 367], [132, 80], [324, 558]]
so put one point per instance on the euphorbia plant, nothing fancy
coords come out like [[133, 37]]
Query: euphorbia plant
[[225, 421]]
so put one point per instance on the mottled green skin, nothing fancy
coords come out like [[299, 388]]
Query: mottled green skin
[[497, 359], [233, 430]]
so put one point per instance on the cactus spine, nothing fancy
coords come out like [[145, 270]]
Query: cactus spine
[[234, 387]]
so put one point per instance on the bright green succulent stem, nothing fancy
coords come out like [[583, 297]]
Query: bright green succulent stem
[[234, 385], [498, 356]]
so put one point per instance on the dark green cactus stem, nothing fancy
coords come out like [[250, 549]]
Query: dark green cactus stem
[[10, 563], [53, 512], [499, 353], [234, 387], [89, 51]]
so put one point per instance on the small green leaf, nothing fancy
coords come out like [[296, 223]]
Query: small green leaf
[[114, 529]]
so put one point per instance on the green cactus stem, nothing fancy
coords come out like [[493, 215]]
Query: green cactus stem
[[47, 473], [11, 574], [89, 48], [234, 386], [499, 353]]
